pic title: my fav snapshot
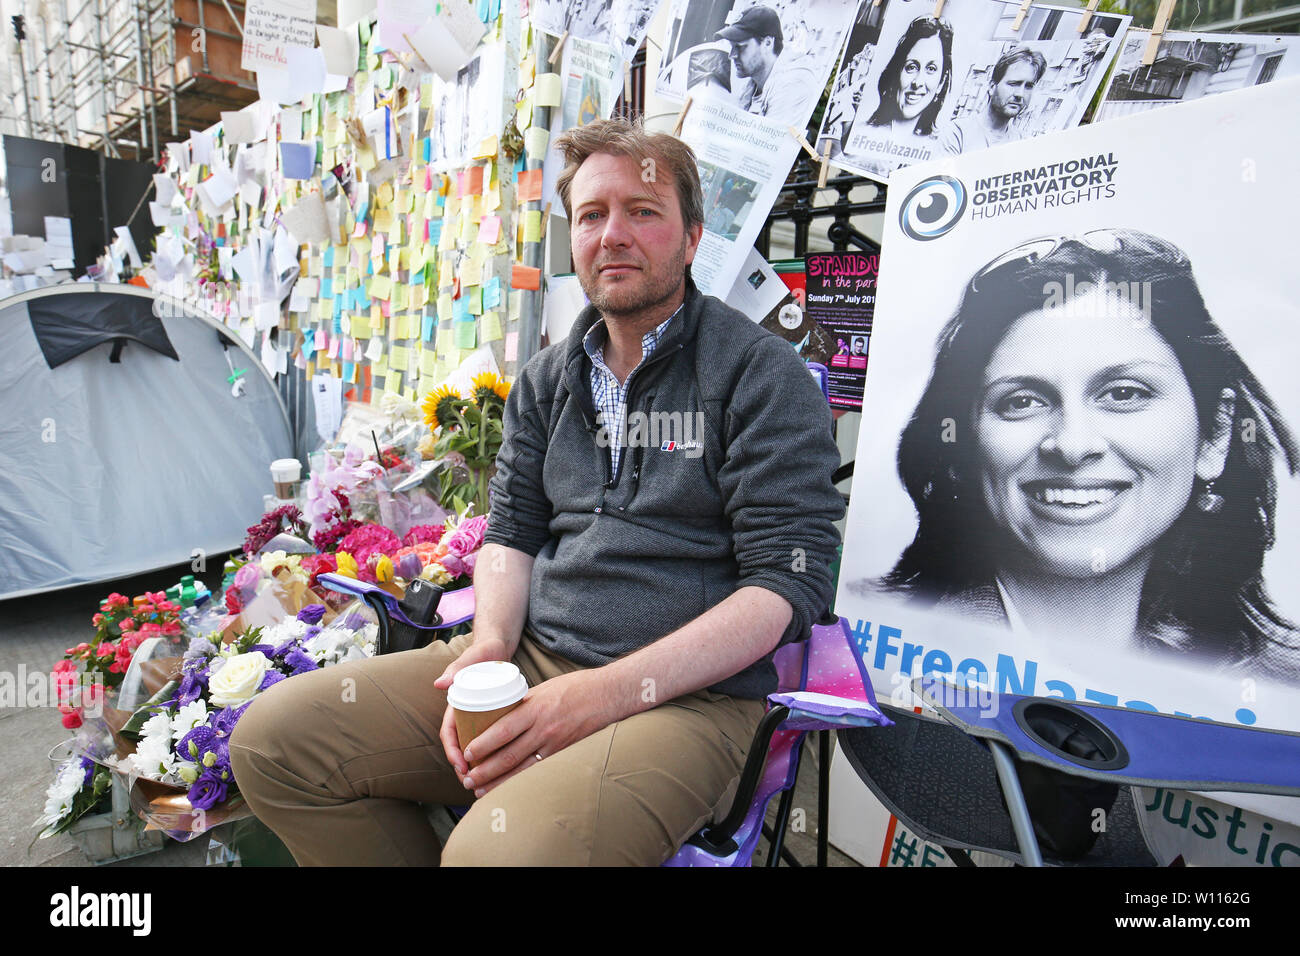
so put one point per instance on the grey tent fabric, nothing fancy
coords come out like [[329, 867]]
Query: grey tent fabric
[[108, 469]]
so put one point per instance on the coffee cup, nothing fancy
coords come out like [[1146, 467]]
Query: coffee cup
[[286, 472], [482, 694]]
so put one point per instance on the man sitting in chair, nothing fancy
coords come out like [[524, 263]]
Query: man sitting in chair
[[662, 520]]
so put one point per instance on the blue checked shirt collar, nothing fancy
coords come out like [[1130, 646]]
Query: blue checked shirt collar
[[610, 398]]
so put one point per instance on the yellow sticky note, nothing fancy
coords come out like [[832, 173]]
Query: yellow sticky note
[[376, 317], [419, 296], [384, 194], [471, 271], [527, 70], [536, 139], [516, 305], [487, 149], [532, 223], [524, 112], [447, 241], [490, 327], [380, 287], [398, 300], [426, 93], [428, 362], [492, 198], [546, 89], [383, 221], [397, 356], [444, 307], [445, 273], [366, 158], [360, 329]]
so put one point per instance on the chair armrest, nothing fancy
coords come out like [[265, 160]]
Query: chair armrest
[[809, 710]]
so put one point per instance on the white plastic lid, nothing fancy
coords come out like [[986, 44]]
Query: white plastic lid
[[486, 686], [286, 469]]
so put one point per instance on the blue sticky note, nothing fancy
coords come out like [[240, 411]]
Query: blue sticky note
[[428, 148], [426, 328], [329, 256], [327, 288], [482, 10], [460, 309], [435, 230], [347, 371], [297, 160], [492, 293], [494, 9], [308, 341]]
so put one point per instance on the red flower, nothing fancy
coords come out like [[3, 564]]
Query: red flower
[[63, 666], [171, 628], [233, 604], [97, 620], [128, 624], [422, 533], [71, 718]]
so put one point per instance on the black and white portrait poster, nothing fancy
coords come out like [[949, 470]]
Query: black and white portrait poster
[[620, 24], [911, 88], [1188, 66], [1078, 478], [771, 59]]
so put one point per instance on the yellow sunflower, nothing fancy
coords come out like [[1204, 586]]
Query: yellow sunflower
[[489, 386], [439, 407]]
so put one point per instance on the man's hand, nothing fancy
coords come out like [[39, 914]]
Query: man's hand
[[483, 649], [552, 715]]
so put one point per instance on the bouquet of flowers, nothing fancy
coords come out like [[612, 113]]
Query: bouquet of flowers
[[445, 554], [121, 626], [180, 764], [80, 787], [467, 434]]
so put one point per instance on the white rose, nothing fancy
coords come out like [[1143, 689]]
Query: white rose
[[238, 682]]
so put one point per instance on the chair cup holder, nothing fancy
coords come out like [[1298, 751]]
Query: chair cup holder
[[1069, 812]]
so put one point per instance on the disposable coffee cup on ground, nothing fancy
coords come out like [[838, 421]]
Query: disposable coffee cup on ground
[[482, 694], [286, 472]]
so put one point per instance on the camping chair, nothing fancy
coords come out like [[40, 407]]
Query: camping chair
[[821, 682], [1035, 771]]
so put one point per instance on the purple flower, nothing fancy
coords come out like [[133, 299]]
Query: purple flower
[[224, 721], [208, 790], [311, 632], [299, 662], [194, 744], [272, 677], [200, 648], [312, 613], [191, 687], [89, 766], [267, 650]]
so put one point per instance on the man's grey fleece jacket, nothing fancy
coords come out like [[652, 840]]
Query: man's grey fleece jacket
[[624, 561]]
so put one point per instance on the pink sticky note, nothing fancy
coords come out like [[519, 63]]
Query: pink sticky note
[[322, 340], [512, 346], [334, 348], [489, 230], [347, 349]]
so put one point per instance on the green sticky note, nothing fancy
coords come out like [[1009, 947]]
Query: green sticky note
[[464, 337], [490, 327], [475, 297]]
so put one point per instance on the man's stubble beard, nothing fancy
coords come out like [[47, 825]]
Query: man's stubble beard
[[611, 303]]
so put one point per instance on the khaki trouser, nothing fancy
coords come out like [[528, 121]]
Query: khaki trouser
[[336, 762]]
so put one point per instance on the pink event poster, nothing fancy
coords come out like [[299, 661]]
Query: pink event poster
[[841, 299]]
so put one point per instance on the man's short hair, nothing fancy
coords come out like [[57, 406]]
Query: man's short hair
[[620, 137], [756, 22], [1015, 55]]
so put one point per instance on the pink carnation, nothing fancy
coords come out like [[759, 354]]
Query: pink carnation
[[468, 538], [424, 532], [367, 540]]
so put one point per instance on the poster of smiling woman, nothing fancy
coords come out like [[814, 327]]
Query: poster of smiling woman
[[912, 88], [1077, 478]]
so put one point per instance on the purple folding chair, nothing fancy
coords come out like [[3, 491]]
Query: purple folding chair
[[822, 685]]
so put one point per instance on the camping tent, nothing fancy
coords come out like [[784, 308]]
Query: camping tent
[[122, 446]]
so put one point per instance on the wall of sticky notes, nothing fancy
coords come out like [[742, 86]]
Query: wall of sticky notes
[[386, 226]]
